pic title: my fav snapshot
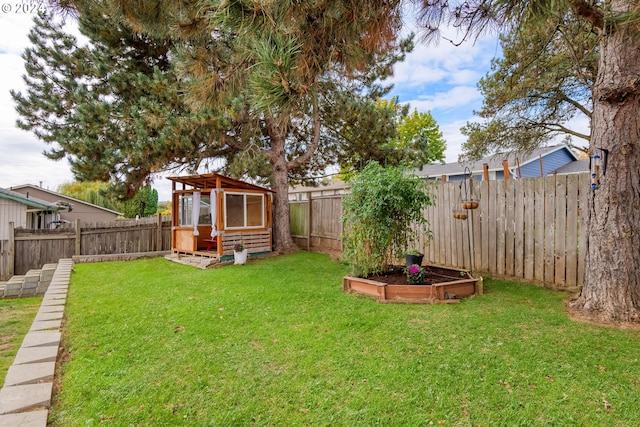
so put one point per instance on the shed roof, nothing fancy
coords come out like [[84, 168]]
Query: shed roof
[[32, 202], [215, 181]]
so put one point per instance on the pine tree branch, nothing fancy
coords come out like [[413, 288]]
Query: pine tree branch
[[589, 12], [304, 158]]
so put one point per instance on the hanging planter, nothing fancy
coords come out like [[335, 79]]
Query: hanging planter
[[470, 204], [458, 214]]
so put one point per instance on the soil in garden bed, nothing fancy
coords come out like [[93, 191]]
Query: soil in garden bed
[[432, 275]]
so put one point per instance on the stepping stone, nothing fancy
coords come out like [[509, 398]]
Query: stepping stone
[[32, 373], [44, 325], [54, 302], [51, 309], [42, 339], [21, 398], [26, 419], [36, 355], [54, 297], [48, 316]]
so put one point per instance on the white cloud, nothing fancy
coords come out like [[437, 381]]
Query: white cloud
[[445, 63], [455, 139], [15, 29], [458, 97]]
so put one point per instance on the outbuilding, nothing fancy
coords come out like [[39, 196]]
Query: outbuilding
[[211, 213]]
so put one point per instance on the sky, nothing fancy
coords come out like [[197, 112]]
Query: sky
[[438, 78]]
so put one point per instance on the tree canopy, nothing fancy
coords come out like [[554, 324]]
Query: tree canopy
[[540, 83], [246, 89]]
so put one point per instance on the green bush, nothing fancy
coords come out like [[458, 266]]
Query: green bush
[[382, 216]]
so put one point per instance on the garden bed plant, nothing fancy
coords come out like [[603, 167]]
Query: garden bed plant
[[383, 215]]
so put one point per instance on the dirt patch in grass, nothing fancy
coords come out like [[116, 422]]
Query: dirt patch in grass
[[432, 275]]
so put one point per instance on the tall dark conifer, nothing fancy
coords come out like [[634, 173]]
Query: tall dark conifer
[[258, 79]]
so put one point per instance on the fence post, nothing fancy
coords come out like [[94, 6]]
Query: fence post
[[12, 249], [78, 237], [309, 219], [159, 233]]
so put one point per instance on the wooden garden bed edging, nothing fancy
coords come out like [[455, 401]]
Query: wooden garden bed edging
[[414, 294]]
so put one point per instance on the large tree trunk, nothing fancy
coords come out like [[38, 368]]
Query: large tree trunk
[[281, 167], [277, 156], [611, 290]]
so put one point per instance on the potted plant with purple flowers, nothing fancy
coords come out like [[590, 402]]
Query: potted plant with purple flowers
[[415, 274], [239, 253]]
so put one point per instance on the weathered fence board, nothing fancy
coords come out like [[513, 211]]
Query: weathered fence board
[[539, 208], [572, 231], [531, 229], [326, 225], [583, 214], [5, 270]]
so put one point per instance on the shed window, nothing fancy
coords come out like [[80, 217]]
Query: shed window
[[186, 207], [243, 210]]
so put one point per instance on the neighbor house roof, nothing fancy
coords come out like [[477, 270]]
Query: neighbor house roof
[[578, 166], [64, 198], [31, 202], [493, 161]]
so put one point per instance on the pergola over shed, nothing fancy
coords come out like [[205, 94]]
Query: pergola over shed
[[212, 212]]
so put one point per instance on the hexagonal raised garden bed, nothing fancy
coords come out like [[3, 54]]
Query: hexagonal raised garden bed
[[441, 285]]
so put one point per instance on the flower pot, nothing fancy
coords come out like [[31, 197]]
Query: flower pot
[[413, 259], [240, 257]]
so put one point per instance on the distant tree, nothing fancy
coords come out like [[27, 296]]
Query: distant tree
[[420, 139], [95, 192], [164, 208], [540, 83], [384, 131], [144, 203]]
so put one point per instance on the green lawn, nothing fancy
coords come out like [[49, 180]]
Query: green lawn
[[277, 342], [16, 317]]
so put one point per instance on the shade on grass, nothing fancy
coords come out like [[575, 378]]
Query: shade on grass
[[277, 342]]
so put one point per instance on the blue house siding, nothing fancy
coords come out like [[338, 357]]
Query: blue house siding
[[550, 163]]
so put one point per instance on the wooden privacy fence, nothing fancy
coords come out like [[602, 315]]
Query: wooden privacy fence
[[29, 249], [532, 229], [323, 213]]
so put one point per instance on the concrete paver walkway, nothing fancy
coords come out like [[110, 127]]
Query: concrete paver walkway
[[25, 398]]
